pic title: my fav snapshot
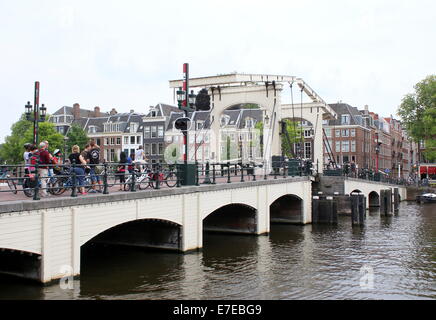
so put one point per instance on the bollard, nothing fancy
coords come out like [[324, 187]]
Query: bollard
[[396, 200], [133, 187], [213, 174], [178, 176], [36, 189], [197, 174], [74, 187], [157, 179], [324, 211], [228, 172], [207, 174], [105, 186], [358, 209], [254, 173]]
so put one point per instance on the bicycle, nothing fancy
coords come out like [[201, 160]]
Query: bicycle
[[10, 181]]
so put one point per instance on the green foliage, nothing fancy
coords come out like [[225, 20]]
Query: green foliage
[[11, 152], [418, 113], [76, 136], [294, 132]]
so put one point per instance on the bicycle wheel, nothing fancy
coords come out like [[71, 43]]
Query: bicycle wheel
[[12, 185], [171, 180], [27, 190]]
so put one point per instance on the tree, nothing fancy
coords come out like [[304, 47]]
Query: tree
[[76, 136], [12, 150], [202, 102], [417, 111], [293, 131]]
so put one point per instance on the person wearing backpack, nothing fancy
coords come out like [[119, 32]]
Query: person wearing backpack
[[94, 161]]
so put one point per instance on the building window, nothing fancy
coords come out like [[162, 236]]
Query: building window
[[345, 159], [106, 142], [147, 133], [328, 132], [133, 127], [154, 132], [138, 139], [345, 119], [132, 140], [338, 133], [353, 146], [338, 146], [126, 140], [92, 129], [112, 141], [345, 146], [153, 149], [345, 133], [161, 151], [112, 155], [353, 132], [147, 149], [160, 132], [118, 140], [308, 150]]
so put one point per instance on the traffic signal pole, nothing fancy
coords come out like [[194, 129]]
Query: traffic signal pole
[[36, 115], [185, 104]]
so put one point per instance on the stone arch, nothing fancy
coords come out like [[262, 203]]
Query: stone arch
[[356, 191], [287, 209], [373, 199], [21, 264], [146, 233], [232, 218]]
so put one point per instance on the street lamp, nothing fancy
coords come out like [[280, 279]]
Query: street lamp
[[39, 114]]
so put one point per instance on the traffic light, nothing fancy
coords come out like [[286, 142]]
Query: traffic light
[[183, 124]]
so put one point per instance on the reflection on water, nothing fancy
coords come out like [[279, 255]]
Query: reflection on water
[[292, 262]]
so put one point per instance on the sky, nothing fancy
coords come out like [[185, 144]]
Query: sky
[[121, 54]]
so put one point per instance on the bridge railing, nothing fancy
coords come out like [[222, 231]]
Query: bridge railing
[[365, 174], [19, 182]]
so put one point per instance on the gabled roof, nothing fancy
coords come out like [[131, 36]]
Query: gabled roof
[[84, 113], [342, 109]]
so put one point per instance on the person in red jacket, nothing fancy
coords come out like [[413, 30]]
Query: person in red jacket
[[44, 161]]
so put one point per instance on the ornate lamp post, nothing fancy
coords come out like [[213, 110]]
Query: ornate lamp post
[[38, 114], [65, 148]]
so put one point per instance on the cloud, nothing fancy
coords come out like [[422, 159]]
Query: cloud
[[122, 54]]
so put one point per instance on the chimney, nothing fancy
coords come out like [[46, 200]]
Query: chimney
[[132, 111], [97, 112], [76, 111], [366, 109], [113, 111]]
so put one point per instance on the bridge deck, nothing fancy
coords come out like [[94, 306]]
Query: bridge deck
[[67, 201]]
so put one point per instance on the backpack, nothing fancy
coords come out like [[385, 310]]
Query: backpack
[[94, 156], [34, 158]]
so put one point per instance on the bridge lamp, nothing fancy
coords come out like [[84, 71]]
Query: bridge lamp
[[28, 108], [191, 98], [43, 110], [266, 119], [180, 96]]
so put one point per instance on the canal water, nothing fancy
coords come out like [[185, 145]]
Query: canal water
[[389, 258]]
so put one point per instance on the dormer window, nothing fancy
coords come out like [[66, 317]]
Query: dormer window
[[225, 119], [92, 129], [133, 127], [249, 123], [345, 119]]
